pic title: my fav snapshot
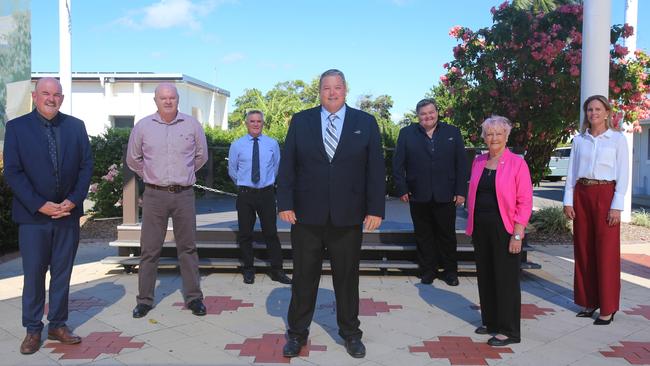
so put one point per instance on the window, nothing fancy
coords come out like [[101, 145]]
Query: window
[[122, 121]]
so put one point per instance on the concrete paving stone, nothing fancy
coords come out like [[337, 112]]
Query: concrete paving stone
[[108, 361], [599, 360], [148, 356], [160, 338]]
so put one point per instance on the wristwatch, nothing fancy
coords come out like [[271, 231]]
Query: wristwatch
[[517, 237]]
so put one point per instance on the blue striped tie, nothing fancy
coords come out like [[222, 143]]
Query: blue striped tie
[[331, 141]]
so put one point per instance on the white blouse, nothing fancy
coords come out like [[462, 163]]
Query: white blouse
[[603, 157]]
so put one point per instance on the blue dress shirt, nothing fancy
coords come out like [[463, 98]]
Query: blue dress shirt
[[324, 121], [240, 161]]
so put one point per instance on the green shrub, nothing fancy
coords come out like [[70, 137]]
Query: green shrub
[[550, 220], [8, 229], [641, 218], [106, 183]]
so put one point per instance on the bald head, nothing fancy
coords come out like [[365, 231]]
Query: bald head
[[47, 97], [166, 98]]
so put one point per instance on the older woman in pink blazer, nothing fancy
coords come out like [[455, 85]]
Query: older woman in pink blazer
[[499, 201]]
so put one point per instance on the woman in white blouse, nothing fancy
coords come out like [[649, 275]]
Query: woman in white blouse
[[593, 199]]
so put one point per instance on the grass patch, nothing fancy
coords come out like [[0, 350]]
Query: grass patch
[[641, 218]]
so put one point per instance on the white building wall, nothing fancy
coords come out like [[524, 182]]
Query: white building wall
[[97, 100]]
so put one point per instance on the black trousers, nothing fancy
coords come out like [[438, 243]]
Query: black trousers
[[498, 276], [309, 243], [262, 203], [434, 224]]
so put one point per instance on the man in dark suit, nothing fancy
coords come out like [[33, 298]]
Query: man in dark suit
[[48, 165], [430, 173], [330, 183]]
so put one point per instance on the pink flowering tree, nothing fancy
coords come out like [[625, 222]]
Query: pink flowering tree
[[526, 66], [107, 193]]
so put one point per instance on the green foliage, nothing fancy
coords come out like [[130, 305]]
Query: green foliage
[[108, 149], [107, 180], [8, 229], [278, 105], [526, 67], [550, 220], [641, 218]]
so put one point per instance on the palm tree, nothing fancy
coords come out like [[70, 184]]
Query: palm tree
[[541, 5]]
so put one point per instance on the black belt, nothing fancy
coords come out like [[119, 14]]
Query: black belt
[[172, 189], [245, 189]]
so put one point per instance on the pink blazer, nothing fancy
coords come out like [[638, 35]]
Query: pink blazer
[[514, 190]]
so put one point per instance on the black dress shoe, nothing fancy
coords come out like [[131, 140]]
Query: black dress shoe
[[427, 278], [278, 275], [197, 307], [496, 342], [141, 310], [600, 321], [586, 313], [249, 277], [355, 348], [293, 346], [451, 279], [481, 330]]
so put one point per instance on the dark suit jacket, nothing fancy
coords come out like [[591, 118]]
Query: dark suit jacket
[[30, 173], [440, 174], [347, 189]]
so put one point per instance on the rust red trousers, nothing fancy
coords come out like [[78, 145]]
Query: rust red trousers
[[597, 249]]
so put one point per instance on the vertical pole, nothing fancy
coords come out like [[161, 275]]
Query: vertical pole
[[65, 56], [631, 15]]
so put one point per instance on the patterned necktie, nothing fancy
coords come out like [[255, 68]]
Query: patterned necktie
[[51, 147], [255, 172], [331, 141]]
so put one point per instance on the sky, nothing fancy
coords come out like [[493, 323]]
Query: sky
[[392, 47]]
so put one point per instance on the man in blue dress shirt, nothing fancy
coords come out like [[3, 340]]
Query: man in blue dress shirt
[[253, 162]]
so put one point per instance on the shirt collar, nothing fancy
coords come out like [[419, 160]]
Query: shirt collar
[[250, 137], [607, 134], [340, 113], [54, 121], [157, 118]]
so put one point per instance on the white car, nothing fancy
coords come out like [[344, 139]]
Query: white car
[[558, 166]]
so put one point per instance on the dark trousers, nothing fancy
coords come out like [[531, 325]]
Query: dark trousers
[[498, 275], [262, 203], [434, 224], [343, 244], [44, 246], [157, 207], [597, 249]]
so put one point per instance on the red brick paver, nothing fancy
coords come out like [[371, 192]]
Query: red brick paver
[[460, 350], [82, 304], [643, 310], [268, 349], [93, 345], [528, 311], [367, 307], [218, 304], [636, 264], [636, 353]]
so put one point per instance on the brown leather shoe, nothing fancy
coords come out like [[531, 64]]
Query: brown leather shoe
[[31, 343], [63, 335]]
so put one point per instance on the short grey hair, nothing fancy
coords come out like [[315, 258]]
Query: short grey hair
[[496, 122], [254, 111], [425, 102], [331, 72]]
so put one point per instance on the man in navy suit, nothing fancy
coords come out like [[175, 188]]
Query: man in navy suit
[[430, 173], [48, 165], [330, 183]]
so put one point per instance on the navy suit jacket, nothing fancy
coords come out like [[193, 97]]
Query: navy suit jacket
[[345, 190], [428, 175], [29, 171]]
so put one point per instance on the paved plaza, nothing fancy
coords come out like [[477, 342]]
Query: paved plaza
[[404, 322]]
